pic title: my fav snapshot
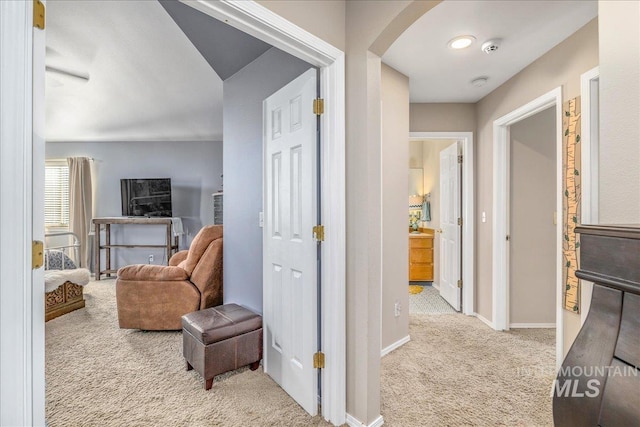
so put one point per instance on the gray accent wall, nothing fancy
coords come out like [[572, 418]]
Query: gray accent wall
[[195, 169], [226, 49], [242, 121]]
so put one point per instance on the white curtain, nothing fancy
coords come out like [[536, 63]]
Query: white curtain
[[80, 205]]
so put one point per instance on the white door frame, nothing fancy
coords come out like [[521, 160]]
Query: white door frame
[[468, 212], [260, 22], [21, 216], [501, 160], [589, 83]]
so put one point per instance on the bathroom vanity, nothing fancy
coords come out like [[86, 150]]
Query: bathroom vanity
[[421, 256]]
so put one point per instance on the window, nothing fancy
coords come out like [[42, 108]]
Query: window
[[56, 194]]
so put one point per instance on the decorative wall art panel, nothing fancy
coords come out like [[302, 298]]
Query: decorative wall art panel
[[571, 202]]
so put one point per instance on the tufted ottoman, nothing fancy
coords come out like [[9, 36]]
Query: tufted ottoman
[[221, 339]]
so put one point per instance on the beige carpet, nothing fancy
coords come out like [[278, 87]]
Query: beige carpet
[[455, 371], [100, 375]]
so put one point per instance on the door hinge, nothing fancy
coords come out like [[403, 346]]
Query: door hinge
[[37, 254], [460, 158], [38, 14], [459, 221], [508, 237], [318, 106], [318, 233], [318, 360], [460, 283]]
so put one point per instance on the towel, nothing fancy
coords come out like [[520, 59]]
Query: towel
[[177, 226], [426, 210]]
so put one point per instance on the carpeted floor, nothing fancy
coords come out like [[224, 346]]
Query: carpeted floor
[[100, 375], [454, 371]]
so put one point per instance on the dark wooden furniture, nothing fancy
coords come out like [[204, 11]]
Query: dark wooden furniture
[[599, 382], [171, 245]]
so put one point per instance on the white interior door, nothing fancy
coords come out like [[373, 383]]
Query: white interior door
[[22, 52], [450, 235], [290, 250]]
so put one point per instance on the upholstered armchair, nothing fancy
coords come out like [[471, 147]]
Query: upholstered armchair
[[155, 297]]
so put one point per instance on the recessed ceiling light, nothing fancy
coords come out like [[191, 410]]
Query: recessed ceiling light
[[461, 42], [480, 81]]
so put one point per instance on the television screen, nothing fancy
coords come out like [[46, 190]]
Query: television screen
[[146, 197]]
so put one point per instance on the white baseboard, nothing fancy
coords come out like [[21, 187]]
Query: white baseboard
[[435, 285], [354, 422], [532, 325], [395, 345], [484, 320]]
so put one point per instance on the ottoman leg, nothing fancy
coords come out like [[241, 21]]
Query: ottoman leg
[[208, 384], [254, 365], [189, 367]]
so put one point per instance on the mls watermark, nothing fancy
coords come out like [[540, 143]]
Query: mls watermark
[[578, 381]]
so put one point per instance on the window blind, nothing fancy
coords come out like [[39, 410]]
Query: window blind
[[56, 194]]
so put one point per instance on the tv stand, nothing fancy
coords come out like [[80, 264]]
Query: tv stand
[[171, 245]]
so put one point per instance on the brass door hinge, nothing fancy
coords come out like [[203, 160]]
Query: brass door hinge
[[318, 360], [37, 254], [460, 158], [318, 106], [38, 14], [318, 233], [459, 221], [508, 237], [460, 283]]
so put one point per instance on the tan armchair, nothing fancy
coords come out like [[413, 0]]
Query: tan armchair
[[155, 297]]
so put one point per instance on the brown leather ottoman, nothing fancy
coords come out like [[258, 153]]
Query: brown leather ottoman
[[221, 339]]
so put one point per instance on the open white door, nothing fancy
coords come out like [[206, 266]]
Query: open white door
[[290, 251], [449, 224], [22, 50]]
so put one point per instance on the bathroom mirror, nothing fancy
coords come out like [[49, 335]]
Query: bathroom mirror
[[416, 182]]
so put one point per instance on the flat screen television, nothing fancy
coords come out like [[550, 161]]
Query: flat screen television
[[150, 197]]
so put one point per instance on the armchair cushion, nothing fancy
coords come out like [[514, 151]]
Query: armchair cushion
[[147, 273], [178, 257]]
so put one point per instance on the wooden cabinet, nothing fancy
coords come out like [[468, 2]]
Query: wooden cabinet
[[421, 257]]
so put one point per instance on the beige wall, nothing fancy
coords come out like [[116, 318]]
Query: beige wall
[[322, 18], [443, 117], [619, 112], [395, 252], [561, 66], [367, 23], [431, 164], [415, 154], [532, 256]]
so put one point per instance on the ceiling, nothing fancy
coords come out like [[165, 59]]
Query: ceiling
[[528, 29], [147, 80], [155, 69]]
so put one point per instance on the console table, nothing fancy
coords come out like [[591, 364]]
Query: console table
[[170, 245]]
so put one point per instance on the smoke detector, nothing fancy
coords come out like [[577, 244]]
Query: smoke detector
[[491, 46]]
